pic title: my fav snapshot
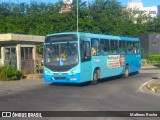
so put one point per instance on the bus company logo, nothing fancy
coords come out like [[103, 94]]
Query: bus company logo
[[6, 114]]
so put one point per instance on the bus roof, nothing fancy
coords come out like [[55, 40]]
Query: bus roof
[[102, 36]]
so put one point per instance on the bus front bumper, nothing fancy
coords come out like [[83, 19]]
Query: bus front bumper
[[62, 79]]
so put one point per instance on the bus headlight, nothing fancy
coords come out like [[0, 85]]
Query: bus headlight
[[47, 72]]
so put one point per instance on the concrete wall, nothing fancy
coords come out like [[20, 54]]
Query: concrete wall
[[18, 41], [20, 38], [145, 44], [150, 43], [154, 44]]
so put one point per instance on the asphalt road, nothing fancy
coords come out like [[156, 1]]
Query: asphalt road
[[113, 94]]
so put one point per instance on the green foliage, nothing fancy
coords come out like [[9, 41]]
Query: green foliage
[[9, 73], [154, 58], [39, 48], [100, 16], [154, 25]]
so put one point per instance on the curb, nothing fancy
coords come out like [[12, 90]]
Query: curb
[[152, 86], [143, 86]]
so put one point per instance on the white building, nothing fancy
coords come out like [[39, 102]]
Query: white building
[[66, 7], [67, 1], [153, 11], [135, 4]]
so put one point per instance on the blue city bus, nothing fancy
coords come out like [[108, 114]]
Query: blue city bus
[[76, 57]]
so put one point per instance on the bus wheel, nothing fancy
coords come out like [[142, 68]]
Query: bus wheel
[[126, 74], [95, 78]]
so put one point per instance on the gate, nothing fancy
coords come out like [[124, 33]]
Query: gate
[[10, 56], [27, 66], [27, 62]]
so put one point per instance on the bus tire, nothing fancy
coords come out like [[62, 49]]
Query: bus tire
[[95, 78], [126, 73]]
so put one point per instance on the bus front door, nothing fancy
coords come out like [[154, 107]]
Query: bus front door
[[86, 64]]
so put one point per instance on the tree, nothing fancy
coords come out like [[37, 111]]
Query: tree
[[100, 16], [153, 25]]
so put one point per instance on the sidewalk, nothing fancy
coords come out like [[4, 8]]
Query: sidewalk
[[147, 67], [10, 87]]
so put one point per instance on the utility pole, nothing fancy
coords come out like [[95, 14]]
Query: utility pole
[[77, 15]]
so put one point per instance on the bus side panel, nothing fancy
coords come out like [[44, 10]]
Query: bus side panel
[[115, 71], [86, 71], [100, 62], [119, 70], [105, 71], [134, 62]]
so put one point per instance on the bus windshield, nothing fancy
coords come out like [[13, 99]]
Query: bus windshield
[[61, 54]]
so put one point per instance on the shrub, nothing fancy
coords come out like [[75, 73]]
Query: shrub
[[154, 58], [9, 73]]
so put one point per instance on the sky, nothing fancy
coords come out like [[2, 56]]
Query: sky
[[146, 3]]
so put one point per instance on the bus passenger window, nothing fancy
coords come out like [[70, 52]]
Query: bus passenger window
[[104, 47], [129, 47], [136, 48], [122, 47], [114, 46], [95, 46]]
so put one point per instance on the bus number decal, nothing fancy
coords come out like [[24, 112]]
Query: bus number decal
[[96, 60]]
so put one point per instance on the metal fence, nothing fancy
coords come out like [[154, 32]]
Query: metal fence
[[11, 62], [27, 66]]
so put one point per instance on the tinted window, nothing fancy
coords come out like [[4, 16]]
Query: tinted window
[[122, 46], [95, 46], [136, 49], [129, 47], [114, 46], [104, 47]]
